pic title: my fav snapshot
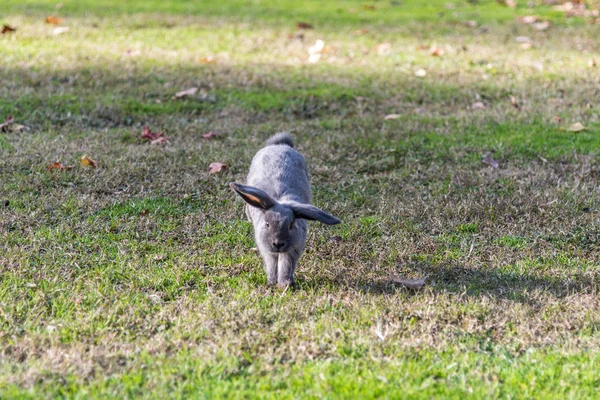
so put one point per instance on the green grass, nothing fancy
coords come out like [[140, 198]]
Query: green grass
[[139, 278]]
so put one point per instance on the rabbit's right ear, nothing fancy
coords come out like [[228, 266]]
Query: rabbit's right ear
[[253, 196]]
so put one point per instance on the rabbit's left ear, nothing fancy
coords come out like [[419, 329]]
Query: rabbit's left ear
[[313, 213], [253, 196]]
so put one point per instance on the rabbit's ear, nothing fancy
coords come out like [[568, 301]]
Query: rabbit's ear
[[313, 213], [253, 196]]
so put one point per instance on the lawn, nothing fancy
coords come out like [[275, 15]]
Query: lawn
[[138, 278]]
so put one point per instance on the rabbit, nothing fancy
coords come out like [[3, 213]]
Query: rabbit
[[278, 198]]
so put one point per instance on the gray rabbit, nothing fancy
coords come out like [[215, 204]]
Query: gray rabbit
[[278, 195]]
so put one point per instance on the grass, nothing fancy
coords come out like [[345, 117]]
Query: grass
[[138, 279]]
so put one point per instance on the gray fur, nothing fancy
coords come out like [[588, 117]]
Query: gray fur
[[281, 138], [278, 194]]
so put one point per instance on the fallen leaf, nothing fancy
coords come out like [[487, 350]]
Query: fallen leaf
[[154, 137], [216, 167], [508, 3], [360, 32], [60, 30], [436, 52], [53, 20], [86, 161], [421, 73], [8, 29], [556, 119], [304, 25], [514, 102], [9, 120], [576, 127], [487, 159], [413, 284], [478, 105], [145, 213], [299, 36], [58, 165], [188, 92], [542, 25], [207, 60], [392, 116], [209, 135], [528, 19], [383, 49], [368, 7]]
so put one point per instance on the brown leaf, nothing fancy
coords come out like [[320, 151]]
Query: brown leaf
[[53, 20], [413, 284], [576, 127], [368, 7], [487, 159], [58, 165], [154, 137], [8, 29], [303, 25], [86, 161], [542, 25], [528, 19], [187, 92], [207, 60], [160, 140], [210, 135], [9, 120], [392, 116], [145, 213], [556, 119], [478, 106], [514, 102], [217, 167], [436, 52]]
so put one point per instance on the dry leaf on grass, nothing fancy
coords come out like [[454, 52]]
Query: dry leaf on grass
[[145, 213], [413, 284], [8, 29], [86, 161], [392, 116], [58, 165], [478, 105], [576, 127], [303, 25], [154, 137], [53, 20], [210, 135], [436, 52], [207, 60], [187, 92], [542, 25], [9, 120], [487, 159], [514, 102], [383, 49], [528, 19], [216, 167]]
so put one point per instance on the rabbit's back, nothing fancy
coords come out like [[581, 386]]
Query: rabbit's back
[[280, 170]]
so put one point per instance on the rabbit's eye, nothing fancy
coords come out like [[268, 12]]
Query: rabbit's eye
[[267, 224]]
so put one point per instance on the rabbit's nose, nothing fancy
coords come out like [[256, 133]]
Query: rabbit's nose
[[278, 245]]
